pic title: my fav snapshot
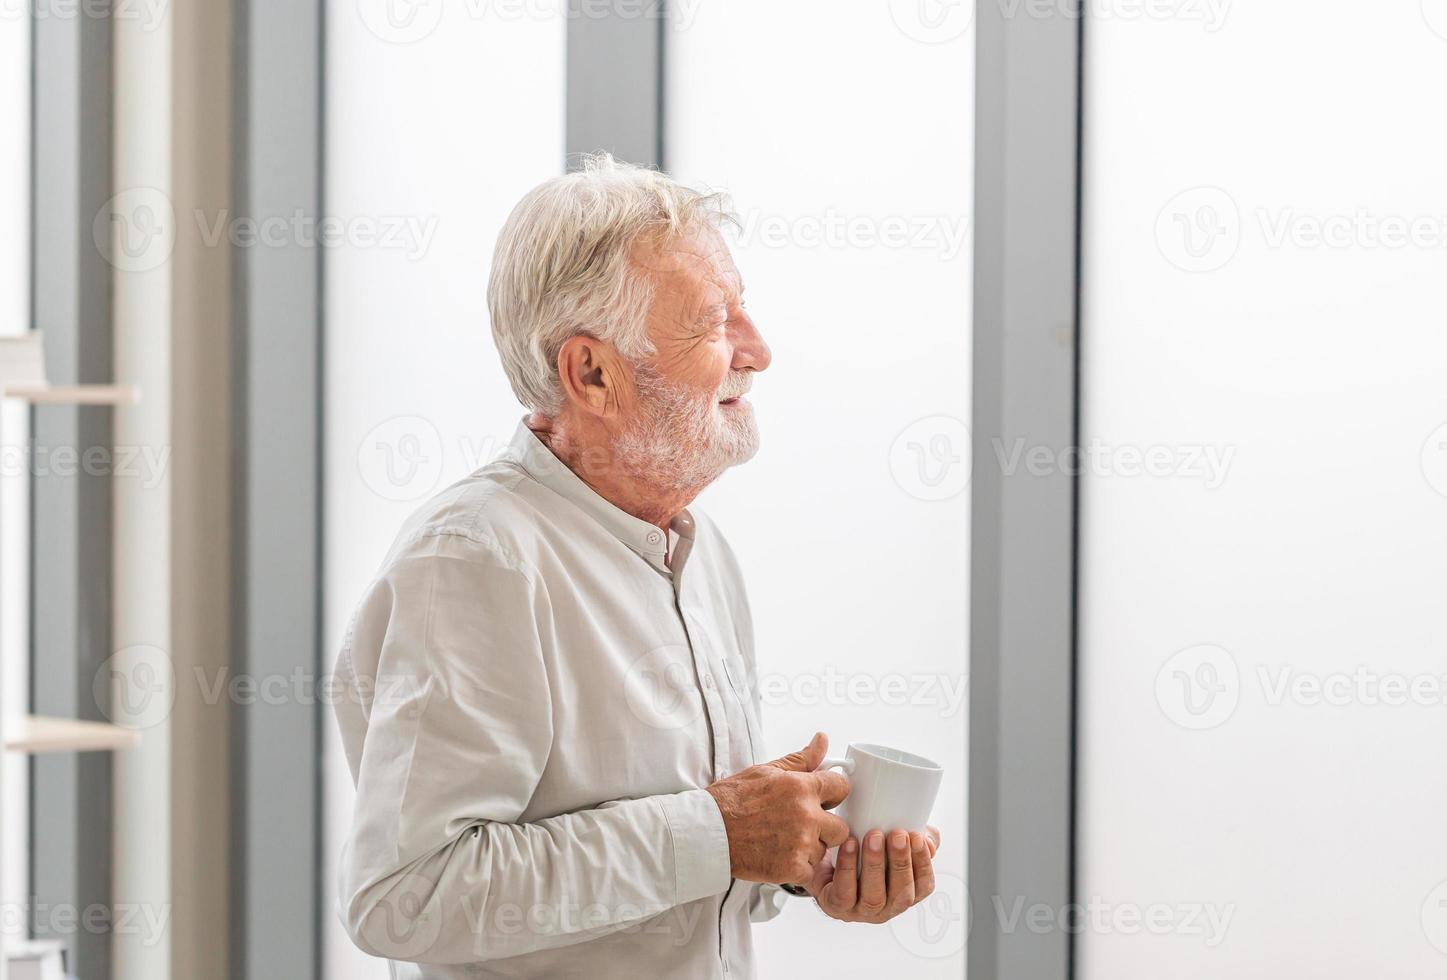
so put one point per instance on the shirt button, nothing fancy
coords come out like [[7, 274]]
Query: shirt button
[[708, 681], [654, 537]]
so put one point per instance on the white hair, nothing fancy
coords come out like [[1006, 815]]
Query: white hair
[[562, 267]]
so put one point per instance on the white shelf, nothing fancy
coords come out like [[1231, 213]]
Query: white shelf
[[33, 733], [73, 394]]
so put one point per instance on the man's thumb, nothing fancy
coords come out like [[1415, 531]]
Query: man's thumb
[[808, 758]]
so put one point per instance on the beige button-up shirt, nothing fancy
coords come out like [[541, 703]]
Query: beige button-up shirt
[[531, 696]]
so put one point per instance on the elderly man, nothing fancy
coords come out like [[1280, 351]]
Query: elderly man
[[550, 720]]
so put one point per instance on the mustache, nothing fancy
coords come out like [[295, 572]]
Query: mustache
[[736, 384]]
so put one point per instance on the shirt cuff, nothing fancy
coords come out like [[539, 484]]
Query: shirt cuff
[[700, 845], [769, 900]]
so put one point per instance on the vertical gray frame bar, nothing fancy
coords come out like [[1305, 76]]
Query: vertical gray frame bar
[[276, 365], [615, 81], [70, 826], [1023, 561]]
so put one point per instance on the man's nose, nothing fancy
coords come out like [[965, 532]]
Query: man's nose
[[750, 351]]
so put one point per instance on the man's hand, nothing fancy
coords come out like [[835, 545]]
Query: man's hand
[[777, 818], [888, 885]]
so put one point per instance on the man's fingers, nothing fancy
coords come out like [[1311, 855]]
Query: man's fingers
[[924, 870], [843, 888], [806, 759], [872, 895], [831, 787], [901, 871], [832, 830], [932, 838], [823, 875]]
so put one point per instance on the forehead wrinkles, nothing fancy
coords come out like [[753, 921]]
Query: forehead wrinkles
[[692, 277], [696, 260]]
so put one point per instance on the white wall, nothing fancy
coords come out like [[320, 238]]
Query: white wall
[[1321, 557], [442, 133], [845, 134], [14, 469]]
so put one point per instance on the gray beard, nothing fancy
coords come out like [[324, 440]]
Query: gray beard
[[683, 441]]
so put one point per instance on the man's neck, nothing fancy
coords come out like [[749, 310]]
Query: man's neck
[[585, 449]]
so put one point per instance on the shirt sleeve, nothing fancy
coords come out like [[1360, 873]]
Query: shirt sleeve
[[455, 727]]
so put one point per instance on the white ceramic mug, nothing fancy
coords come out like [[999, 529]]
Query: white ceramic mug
[[889, 789]]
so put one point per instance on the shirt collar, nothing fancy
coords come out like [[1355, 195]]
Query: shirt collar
[[644, 538]]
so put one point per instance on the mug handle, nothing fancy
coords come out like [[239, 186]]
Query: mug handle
[[848, 766]]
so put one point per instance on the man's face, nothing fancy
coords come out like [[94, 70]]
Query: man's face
[[689, 421]]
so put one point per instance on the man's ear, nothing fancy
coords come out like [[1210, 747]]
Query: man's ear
[[592, 375]]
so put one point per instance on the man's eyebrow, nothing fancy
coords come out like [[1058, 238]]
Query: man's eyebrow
[[727, 292], [732, 293], [710, 312]]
